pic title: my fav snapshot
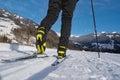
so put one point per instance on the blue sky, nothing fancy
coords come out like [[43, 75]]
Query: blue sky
[[107, 13]]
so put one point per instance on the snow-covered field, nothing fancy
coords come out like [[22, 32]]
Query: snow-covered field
[[80, 65]]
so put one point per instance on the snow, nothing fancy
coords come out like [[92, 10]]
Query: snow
[[5, 15], [103, 32], [6, 25], [58, 33], [117, 36], [114, 32], [77, 36], [80, 65]]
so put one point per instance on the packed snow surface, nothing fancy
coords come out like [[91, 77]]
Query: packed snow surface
[[80, 65]]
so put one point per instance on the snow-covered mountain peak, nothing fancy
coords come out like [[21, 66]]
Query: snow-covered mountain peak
[[114, 32], [103, 32], [74, 36], [16, 18]]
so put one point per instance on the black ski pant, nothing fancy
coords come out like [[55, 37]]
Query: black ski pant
[[55, 6]]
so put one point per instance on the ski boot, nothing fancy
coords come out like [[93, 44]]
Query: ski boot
[[41, 40], [61, 52]]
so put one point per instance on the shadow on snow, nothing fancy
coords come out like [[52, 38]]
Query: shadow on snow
[[42, 74]]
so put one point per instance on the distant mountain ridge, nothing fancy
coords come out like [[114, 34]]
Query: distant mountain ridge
[[107, 41]]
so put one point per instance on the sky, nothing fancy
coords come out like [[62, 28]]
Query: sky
[[107, 14]]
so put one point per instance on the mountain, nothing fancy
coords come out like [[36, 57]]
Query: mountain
[[16, 29], [17, 18], [109, 42]]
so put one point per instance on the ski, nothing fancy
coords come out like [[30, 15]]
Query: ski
[[58, 61], [24, 57]]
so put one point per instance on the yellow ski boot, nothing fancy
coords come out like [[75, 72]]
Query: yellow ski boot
[[61, 52], [41, 40]]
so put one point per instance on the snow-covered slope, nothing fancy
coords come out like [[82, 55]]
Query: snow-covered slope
[[6, 27], [12, 26], [80, 65]]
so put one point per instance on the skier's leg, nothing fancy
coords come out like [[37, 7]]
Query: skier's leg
[[52, 14], [68, 7], [47, 22]]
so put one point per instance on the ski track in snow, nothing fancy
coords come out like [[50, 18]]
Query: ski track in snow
[[80, 65]]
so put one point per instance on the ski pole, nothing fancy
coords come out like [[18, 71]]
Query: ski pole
[[95, 30]]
